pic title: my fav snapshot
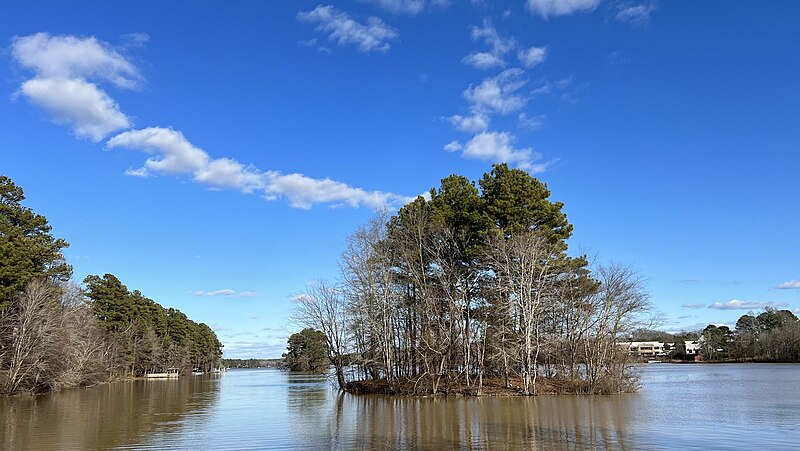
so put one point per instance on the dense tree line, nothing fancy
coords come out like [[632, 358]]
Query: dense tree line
[[151, 338], [54, 335], [474, 282], [252, 363], [771, 336]]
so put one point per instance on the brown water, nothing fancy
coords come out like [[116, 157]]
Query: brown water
[[679, 407]]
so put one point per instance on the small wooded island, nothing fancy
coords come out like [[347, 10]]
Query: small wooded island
[[55, 335], [470, 290]]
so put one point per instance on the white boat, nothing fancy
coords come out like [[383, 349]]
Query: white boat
[[171, 373]]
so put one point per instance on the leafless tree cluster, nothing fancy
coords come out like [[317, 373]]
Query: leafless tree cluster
[[411, 309], [49, 339]]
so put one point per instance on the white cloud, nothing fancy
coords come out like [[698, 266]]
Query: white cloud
[[374, 35], [140, 172], [484, 60], [228, 173], [86, 108], [410, 7], [789, 285], [492, 38], [70, 57], [65, 69], [499, 46], [533, 123], [474, 123], [735, 304], [453, 146], [498, 94], [548, 8], [226, 293], [498, 147], [303, 192], [693, 306], [174, 154], [635, 15], [532, 57]]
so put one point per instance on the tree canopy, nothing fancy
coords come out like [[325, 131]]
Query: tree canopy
[[27, 249], [307, 350]]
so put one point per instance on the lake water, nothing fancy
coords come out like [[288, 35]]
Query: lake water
[[706, 406]]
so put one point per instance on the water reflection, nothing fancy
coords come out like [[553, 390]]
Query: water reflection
[[567, 422], [680, 407], [105, 416]]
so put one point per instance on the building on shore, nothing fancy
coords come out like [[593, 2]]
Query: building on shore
[[692, 347], [644, 348]]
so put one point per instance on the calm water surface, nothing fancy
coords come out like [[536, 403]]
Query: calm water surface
[[679, 407]]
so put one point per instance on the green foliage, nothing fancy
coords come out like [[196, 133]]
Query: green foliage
[[307, 350], [517, 202], [27, 249], [773, 335], [154, 338]]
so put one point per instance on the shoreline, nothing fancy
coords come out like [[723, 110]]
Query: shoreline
[[490, 387]]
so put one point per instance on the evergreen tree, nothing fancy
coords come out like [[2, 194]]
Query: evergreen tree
[[27, 249]]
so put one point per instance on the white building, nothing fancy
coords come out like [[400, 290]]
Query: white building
[[644, 348]]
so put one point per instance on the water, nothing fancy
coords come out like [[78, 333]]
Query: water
[[679, 407]]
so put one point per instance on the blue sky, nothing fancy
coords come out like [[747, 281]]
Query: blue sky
[[215, 156]]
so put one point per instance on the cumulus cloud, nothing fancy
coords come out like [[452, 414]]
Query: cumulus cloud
[[374, 35], [498, 147], [226, 293], [498, 94], [67, 68], [552, 8], [735, 304], [494, 95], [173, 154], [789, 285], [65, 71], [476, 122], [303, 192], [410, 7], [635, 15], [69, 57], [532, 57], [75, 102], [453, 146]]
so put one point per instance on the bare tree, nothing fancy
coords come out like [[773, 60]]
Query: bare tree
[[616, 309], [525, 270], [369, 280], [325, 308], [29, 329]]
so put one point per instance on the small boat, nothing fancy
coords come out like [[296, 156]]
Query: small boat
[[196, 372], [171, 373], [654, 361]]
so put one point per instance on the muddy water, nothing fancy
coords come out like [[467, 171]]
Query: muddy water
[[679, 407]]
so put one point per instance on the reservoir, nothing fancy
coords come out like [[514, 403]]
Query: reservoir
[[694, 406]]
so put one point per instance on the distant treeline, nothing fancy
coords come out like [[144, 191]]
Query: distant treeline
[[54, 334], [770, 336], [253, 363]]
